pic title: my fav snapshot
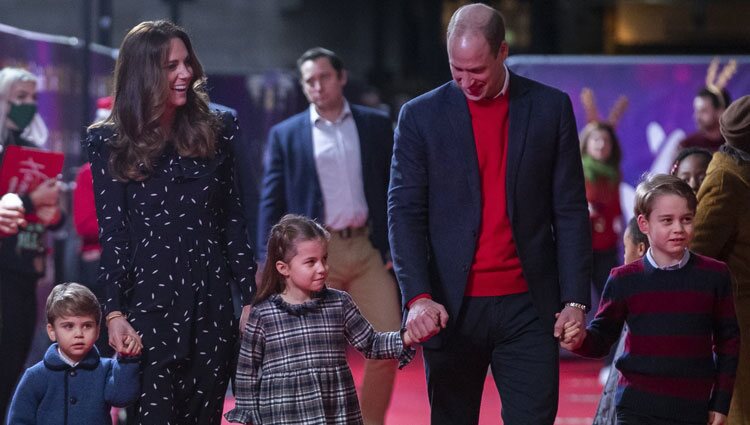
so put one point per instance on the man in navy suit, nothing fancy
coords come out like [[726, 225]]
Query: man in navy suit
[[489, 230], [332, 162]]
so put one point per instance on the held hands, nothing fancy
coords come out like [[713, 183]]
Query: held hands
[[716, 418], [569, 328], [122, 336], [425, 319]]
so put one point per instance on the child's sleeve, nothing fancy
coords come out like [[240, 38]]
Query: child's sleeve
[[26, 399], [605, 329], [123, 381], [247, 377], [726, 339], [374, 345]]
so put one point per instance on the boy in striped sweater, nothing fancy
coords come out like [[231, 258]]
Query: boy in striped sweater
[[681, 348]]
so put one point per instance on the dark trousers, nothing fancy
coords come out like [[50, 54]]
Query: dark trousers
[[627, 416], [504, 333], [17, 325]]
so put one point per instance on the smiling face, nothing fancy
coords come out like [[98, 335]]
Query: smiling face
[[306, 272], [669, 228], [474, 68], [75, 335], [179, 74]]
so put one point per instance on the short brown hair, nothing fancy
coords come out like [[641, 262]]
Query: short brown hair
[[653, 186], [72, 299], [490, 24]]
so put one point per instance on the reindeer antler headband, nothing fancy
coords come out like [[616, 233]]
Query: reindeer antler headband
[[592, 112], [716, 84]]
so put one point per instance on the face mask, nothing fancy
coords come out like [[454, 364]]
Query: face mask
[[22, 114]]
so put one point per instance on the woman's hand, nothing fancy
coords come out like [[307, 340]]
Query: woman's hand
[[122, 337]]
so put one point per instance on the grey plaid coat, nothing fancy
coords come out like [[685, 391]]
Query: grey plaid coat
[[292, 366]]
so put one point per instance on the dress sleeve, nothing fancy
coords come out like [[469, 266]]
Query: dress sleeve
[[247, 378], [114, 224], [374, 345], [238, 252]]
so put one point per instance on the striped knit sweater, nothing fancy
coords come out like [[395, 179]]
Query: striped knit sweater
[[682, 342]]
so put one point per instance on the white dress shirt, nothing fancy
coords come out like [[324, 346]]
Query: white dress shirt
[[339, 166], [678, 265]]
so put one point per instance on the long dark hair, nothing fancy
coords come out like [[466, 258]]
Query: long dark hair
[[282, 246], [140, 95]]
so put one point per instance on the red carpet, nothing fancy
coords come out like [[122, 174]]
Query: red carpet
[[579, 394]]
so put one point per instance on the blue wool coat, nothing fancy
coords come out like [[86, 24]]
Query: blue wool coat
[[53, 393]]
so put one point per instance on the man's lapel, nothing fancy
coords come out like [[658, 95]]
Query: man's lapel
[[518, 123], [464, 150]]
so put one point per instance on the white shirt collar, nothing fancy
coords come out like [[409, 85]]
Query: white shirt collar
[[65, 358], [504, 90], [676, 266], [315, 116]]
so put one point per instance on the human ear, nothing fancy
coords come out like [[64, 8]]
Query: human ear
[[51, 333], [641, 249], [643, 224], [282, 268]]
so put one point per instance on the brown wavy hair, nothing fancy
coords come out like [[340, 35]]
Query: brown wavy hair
[[141, 91], [282, 246]]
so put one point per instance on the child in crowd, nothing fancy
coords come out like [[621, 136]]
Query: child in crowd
[[601, 154], [682, 341], [690, 166], [73, 385], [635, 244], [292, 366]]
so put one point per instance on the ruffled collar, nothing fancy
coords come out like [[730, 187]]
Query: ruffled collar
[[299, 309]]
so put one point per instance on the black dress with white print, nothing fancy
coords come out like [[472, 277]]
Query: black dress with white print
[[171, 246]]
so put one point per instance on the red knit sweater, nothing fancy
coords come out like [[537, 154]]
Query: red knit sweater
[[496, 269]]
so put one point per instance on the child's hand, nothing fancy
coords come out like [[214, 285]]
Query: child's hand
[[132, 346], [716, 418], [573, 334]]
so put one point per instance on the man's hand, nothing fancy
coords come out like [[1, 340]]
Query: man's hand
[[570, 315], [716, 418], [425, 319]]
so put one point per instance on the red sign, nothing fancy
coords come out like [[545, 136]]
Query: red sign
[[23, 169]]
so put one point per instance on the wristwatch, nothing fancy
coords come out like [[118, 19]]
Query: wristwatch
[[577, 305]]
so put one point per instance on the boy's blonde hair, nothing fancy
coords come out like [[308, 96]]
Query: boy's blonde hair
[[72, 299], [653, 186]]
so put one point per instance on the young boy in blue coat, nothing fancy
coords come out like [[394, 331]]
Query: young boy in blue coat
[[73, 385]]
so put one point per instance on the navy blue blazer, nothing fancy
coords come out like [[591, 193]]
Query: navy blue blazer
[[290, 179], [434, 201]]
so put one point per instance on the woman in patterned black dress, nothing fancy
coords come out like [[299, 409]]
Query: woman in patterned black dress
[[292, 368], [171, 227]]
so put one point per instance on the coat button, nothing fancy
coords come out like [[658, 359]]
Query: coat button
[[72, 373], [73, 400]]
